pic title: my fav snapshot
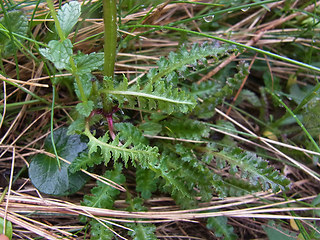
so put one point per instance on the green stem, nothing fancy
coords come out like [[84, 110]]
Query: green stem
[[110, 36], [110, 44], [56, 21], [78, 81]]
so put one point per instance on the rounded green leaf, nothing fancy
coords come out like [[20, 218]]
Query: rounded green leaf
[[44, 171]]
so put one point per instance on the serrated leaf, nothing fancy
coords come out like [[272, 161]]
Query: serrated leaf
[[151, 96], [44, 171], [59, 53], [249, 96], [88, 62], [140, 153], [84, 161], [253, 168], [221, 228], [8, 228], [231, 186], [217, 94], [140, 231], [85, 109], [15, 22], [179, 60], [68, 16]]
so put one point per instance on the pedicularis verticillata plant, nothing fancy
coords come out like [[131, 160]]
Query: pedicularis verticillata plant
[[171, 105]]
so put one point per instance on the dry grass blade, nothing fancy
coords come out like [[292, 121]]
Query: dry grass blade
[[23, 82]]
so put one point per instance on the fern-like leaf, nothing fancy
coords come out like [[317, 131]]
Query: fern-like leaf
[[152, 96], [231, 186], [184, 177], [174, 183], [179, 60], [219, 91], [84, 161], [140, 152], [253, 168]]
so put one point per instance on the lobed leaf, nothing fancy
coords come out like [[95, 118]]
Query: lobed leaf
[[128, 131], [84, 161], [59, 53], [99, 231], [142, 231], [68, 16], [86, 63]]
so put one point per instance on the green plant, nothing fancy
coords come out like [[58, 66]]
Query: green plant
[[165, 98]]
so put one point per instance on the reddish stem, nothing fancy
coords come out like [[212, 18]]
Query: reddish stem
[[108, 116]]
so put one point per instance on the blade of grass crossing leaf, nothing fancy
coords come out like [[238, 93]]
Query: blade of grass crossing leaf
[[304, 101], [51, 125], [4, 30], [285, 59], [295, 118], [26, 90]]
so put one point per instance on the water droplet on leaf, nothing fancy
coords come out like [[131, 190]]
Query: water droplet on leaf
[[208, 18], [245, 9]]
